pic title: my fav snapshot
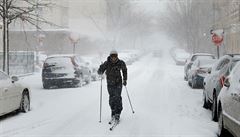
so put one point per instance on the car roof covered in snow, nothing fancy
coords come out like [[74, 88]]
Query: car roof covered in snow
[[202, 54], [205, 62]]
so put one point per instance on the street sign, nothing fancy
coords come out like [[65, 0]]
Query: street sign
[[217, 40], [217, 37]]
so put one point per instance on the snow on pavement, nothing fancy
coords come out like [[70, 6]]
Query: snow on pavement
[[164, 104]]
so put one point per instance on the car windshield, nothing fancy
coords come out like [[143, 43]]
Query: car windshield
[[206, 63], [59, 64], [233, 64], [203, 57]]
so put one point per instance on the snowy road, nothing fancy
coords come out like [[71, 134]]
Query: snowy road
[[164, 104]]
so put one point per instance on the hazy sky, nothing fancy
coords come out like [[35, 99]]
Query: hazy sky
[[151, 6], [84, 25]]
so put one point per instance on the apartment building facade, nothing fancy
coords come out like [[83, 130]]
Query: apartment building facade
[[227, 17]]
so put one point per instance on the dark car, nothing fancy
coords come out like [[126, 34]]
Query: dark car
[[213, 83], [64, 71], [198, 72], [228, 106], [192, 58]]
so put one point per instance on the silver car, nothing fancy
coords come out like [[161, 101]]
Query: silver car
[[13, 95], [190, 61], [213, 83], [229, 104], [199, 71]]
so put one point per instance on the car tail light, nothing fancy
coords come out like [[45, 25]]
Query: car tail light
[[222, 79]]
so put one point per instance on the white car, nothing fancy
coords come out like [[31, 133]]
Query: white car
[[192, 58], [13, 95], [198, 72], [228, 104]]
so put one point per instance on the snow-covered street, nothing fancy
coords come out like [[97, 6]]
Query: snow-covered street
[[163, 102]]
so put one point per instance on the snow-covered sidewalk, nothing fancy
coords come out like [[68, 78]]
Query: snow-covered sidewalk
[[164, 104]]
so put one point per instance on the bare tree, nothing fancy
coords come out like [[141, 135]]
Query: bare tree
[[189, 23], [125, 24], [19, 10]]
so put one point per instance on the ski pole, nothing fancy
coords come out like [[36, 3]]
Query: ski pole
[[129, 100], [101, 102]]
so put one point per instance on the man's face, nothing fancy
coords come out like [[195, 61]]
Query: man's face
[[114, 57]]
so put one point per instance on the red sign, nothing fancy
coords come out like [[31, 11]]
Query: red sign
[[217, 37], [217, 40]]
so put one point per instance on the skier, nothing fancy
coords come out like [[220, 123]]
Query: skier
[[113, 67]]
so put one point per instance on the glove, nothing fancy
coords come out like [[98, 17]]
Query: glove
[[125, 83]]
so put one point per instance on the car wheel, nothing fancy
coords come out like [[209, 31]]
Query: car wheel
[[80, 84], [205, 102], [45, 86], [214, 108], [222, 132], [185, 78], [25, 103], [88, 81], [193, 83]]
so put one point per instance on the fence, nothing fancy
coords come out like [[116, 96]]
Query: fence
[[20, 62]]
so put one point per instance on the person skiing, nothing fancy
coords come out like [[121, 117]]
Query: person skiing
[[113, 67]]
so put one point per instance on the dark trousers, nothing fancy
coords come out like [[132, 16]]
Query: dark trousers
[[115, 99]]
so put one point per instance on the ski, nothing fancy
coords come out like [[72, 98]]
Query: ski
[[114, 125]]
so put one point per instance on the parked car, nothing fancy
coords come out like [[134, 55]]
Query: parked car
[[229, 104], [192, 58], [65, 71], [213, 83], [95, 75], [13, 95], [180, 58], [198, 72]]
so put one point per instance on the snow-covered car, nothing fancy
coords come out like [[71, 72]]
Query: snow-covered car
[[94, 74], [198, 72], [180, 58], [228, 104], [64, 71], [192, 58], [13, 95], [213, 83]]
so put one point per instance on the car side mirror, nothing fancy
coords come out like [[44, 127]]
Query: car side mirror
[[227, 83], [14, 79]]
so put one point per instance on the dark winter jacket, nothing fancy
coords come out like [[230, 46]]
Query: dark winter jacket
[[113, 71]]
